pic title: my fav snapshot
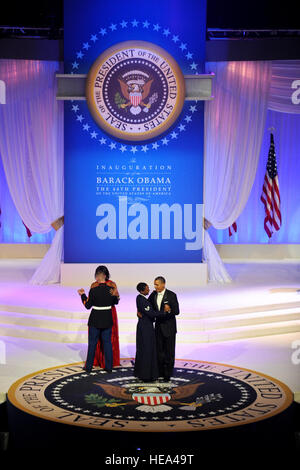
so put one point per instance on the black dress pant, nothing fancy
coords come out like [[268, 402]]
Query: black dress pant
[[105, 335], [165, 352]]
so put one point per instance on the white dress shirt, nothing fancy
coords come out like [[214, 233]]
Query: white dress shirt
[[159, 298]]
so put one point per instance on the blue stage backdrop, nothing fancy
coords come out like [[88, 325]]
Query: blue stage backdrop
[[134, 149]]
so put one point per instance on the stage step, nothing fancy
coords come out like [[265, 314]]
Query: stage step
[[248, 319], [43, 311], [127, 335], [187, 310], [252, 331], [43, 334], [244, 310], [219, 325], [185, 321], [42, 321]]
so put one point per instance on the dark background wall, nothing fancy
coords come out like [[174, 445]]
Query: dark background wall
[[282, 17], [216, 50]]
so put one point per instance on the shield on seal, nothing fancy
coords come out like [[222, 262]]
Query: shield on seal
[[151, 398], [135, 98]]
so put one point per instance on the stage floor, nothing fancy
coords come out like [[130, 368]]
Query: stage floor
[[218, 323]]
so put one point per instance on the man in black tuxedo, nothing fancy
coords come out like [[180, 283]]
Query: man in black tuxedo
[[164, 300]]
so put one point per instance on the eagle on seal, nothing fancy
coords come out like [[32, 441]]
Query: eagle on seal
[[135, 93]]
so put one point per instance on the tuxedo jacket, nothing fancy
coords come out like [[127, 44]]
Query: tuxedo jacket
[[167, 322], [100, 296]]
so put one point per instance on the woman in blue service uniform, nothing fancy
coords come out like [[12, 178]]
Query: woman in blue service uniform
[[146, 368]]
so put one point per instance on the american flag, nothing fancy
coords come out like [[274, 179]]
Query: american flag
[[270, 195], [29, 234], [232, 228]]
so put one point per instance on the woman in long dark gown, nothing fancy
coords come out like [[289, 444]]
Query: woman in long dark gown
[[146, 368]]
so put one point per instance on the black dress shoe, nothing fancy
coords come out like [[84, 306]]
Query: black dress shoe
[[87, 370], [108, 370]]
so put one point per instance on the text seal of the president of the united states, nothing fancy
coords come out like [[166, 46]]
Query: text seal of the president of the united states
[[135, 90]]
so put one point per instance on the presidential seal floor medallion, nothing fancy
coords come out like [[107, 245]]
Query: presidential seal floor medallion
[[199, 396], [135, 90]]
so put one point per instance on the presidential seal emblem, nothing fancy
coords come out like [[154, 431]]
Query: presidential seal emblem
[[200, 396], [135, 90]]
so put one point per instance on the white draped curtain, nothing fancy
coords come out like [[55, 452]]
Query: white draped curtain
[[31, 148], [234, 126], [285, 87], [283, 117]]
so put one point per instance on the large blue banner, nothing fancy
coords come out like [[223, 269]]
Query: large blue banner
[[134, 148]]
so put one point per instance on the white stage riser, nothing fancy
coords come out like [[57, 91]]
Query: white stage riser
[[282, 308], [200, 336], [188, 338], [128, 275], [228, 251], [193, 327], [127, 325]]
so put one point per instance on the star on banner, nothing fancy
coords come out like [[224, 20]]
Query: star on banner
[[166, 32], [155, 146], [103, 31], [193, 66], [144, 148], [134, 23], [123, 148], [79, 55], [113, 27], [133, 149], [75, 108], [182, 46], [94, 135], [102, 141], [189, 56], [86, 46], [146, 24], [112, 145], [79, 118], [165, 141], [94, 37], [75, 65], [193, 108], [156, 27], [86, 127], [124, 24], [175, 39]]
